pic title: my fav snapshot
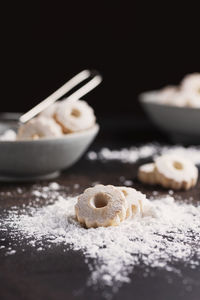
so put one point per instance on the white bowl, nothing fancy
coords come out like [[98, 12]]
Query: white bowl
[[43, 158], [181, 123]]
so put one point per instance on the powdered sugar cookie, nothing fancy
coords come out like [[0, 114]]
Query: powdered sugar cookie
[[185, 99], [39, 127], [187, 94], [194, 101], [191, 83], [101, 206], [166, 94], [180, 99], [162, 96], [50, 111], [135, 200], [146, 173], [173, 171], [75, 116]]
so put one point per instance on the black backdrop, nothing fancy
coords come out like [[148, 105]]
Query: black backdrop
[[135, 46]]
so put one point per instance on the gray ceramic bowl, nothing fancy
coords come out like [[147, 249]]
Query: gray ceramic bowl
[[44, 158], [181, 123]]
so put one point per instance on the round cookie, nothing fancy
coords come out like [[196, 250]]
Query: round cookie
[[194, 101], [75, 116], [101, 206], [180, 99], [191, 83], [175, 172], [186, 99], [146, 173], [166, 94], [50, 111], [134, 199], [39, 127]]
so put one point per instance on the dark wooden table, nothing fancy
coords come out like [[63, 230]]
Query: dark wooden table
[[54, 274]]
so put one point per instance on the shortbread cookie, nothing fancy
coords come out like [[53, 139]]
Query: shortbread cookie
[[166, 94], [101, 206], [49, 112], [146, 173], [75, 116], [135, 201], [191, 83], [173, 171], [181, 99], [162, 96], [39, 127], [194, 101]]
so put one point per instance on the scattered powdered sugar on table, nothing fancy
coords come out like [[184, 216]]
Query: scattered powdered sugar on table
[[167, 233], [125, 155], [133, 154]]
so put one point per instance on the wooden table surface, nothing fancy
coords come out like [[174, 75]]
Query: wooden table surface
[[54, 274]]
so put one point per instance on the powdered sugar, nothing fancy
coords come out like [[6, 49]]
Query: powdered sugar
[[125, 155], [133, 154], [169, 232]]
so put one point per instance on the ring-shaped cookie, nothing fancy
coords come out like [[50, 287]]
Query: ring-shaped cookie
[[39, 127], [173, 171], [135, 201], [191, 83], [49, 112], [74, 117], [101, 206], [146, 173]]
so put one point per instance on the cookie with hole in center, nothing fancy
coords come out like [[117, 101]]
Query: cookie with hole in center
[[175, 172], [101, 206], [74, 117], [39, 127], [146, 173], [135, 201]]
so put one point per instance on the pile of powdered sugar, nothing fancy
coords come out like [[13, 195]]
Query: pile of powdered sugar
[[133, 154], [167, 233]]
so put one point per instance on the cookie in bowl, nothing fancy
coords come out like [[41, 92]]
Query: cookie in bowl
[[39, 127], [74, 117]]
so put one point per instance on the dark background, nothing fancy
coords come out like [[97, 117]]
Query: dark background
[[135, 46]]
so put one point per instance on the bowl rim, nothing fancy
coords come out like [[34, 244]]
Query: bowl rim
[[143, 100], [94, 129]]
